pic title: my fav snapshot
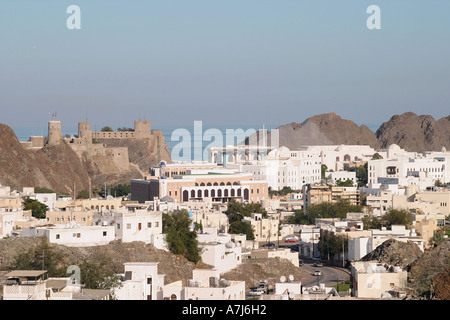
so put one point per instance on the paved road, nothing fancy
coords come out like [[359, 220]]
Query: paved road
[[329, 275]]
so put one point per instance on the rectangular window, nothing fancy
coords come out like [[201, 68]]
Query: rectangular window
[[104, 233], [128, 225], [149, 224], [57, 236]]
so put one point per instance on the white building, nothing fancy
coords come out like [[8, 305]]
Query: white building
[[134, 223], [49, 199], [338, 157], [279, 167], [206, 284], [140, 281], [7, 220], [221, 256], [73, 236], [407, 168], [372, 279], [335, 176], [309, 241]]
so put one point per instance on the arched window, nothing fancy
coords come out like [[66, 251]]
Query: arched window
[[192, 193], [206, 193], [185, 195], [199, 193], [219, 193]]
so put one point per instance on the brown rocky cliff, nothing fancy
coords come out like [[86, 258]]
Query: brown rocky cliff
[[56, 167], [325, 129], [415, 133]]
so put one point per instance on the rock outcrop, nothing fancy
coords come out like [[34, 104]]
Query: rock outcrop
[[55, 167], [415, 133], [325, 129]]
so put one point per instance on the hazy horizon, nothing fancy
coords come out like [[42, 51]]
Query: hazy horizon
[[226, 63]]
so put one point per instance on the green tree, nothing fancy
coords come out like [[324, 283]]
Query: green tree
[[397, 217], [38, 209], [236, 211], [83, 194], [299, 217], [38, 189], [332, 245], [376, 156], [125, 129], [242, 227], [346, 183], [107, 129], [371, 222], [323, 170], [361, 174], [180, 239], [99, 275], [43, 256]]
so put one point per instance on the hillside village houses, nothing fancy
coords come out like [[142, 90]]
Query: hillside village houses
[[398, 180]]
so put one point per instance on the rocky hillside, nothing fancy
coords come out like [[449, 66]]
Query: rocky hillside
[[173, 266], [428, 273], [416, 133], [56, 167], [60, 168], [408, 130], [325, 129], [395, 252]]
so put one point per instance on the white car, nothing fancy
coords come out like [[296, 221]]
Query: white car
[[317, 273]]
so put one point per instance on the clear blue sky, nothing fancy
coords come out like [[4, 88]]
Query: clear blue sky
[[225, 62]]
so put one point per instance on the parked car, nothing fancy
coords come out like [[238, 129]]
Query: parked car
[[268, 244], [291, 239], [318, 264], [256, 292]]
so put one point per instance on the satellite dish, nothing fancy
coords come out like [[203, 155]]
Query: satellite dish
[[291, 277], [282, 279]]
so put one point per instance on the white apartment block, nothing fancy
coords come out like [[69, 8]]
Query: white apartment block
[[7, 220], [264, 229], [335, 176], [73, 236], [371, 279], [410, 168], [206, 284], [279, 167], [140, 281], [338, 157], [134, 223], [221, 256]]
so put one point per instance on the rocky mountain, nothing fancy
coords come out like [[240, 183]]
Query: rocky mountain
[[55, 167], [325, 129], [409, 131], [416, 133]]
